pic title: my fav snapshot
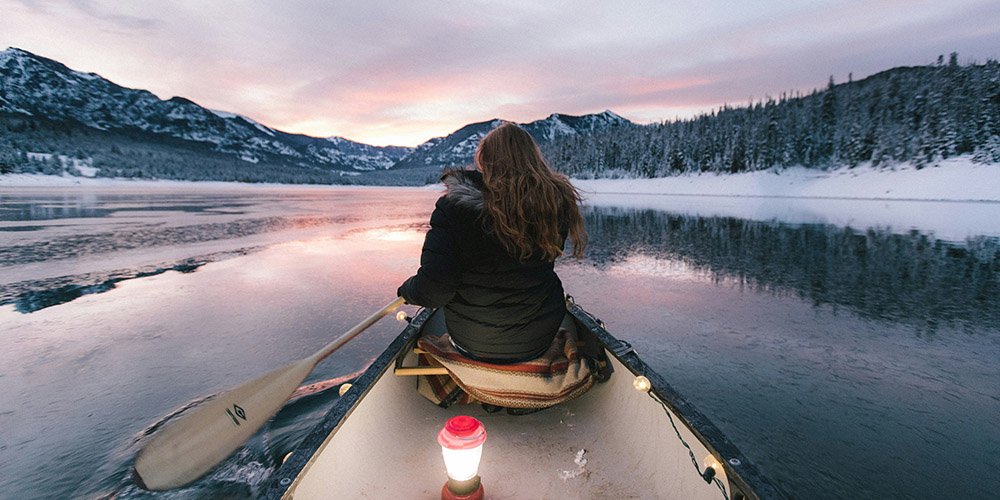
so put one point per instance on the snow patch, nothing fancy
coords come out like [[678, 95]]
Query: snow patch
[[233, 116], [86, 76], [87, 171], [39, 156], [222, 114], [247, 157], [180, 113], [612, 116], [955, 179], [580, 469], [557, 128], [71, 166], [10, 108], [939, 200], [267, 130]]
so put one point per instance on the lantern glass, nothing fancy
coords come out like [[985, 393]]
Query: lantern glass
[[461, 442], [462, 465]]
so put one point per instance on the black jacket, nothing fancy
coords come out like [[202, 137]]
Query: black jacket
[[497, 308]]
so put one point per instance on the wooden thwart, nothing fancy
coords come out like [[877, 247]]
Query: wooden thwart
[[406, 371], [413, 371]]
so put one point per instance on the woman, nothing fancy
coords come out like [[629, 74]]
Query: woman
[[489, 254]]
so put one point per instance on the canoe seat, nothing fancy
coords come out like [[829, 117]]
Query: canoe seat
[[445, 376]]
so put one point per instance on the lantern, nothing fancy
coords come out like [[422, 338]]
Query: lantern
[[461, 442]]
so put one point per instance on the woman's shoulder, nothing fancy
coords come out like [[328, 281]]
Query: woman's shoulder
[[464, 189]]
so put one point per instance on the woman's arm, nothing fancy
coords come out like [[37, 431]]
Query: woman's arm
[[440, 273]]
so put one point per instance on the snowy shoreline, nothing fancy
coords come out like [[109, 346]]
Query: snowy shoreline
[[957, 179], [955, 201], [55, 182], [953, 180]]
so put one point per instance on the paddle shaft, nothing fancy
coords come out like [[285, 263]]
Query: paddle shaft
[[204, 436], [353, 332]]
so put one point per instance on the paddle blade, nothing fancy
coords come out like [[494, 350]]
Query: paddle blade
[[199, 440]]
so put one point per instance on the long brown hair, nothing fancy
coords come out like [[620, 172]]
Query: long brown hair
[[528, 205]]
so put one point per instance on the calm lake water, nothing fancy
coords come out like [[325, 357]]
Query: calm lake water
[[849, 356]]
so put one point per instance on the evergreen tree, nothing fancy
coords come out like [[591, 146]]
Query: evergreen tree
[[917, 114]]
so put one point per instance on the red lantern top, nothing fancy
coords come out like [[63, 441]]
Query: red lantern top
[[462, 433]]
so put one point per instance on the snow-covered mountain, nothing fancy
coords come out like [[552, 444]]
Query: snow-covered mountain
[[51, 93], [459, 147], [37, 86], [557, 126]]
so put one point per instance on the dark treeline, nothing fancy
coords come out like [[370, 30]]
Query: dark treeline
[[38, 145], [911, 114], [903, 277], [130, 154]]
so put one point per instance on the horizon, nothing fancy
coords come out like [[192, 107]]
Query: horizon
[[405, 74]]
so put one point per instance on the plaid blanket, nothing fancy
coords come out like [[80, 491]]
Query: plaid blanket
[[556, 376]]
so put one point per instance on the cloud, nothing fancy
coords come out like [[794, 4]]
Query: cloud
[[123, 21], [96, 13]]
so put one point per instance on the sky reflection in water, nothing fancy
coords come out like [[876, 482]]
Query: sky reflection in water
[[838, 351], [827, 354]]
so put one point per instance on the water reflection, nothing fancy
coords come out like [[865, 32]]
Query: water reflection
[[403, 232], [820, 401], [104, 368], [35, 207], [912, 278], [153, 235]]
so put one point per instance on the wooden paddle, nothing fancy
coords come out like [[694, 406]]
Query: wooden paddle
[[197, 441]]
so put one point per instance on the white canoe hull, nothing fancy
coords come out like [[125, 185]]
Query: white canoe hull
[[379, 441]]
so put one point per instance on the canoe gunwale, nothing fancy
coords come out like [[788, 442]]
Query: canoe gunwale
[[284, 477], [745, 479]]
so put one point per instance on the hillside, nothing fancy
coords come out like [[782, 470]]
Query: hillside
[[59, 121], [40, 94], [55, 120], [920, 115], [459, 147]]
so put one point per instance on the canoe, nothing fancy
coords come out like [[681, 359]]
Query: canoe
[[618, 440]]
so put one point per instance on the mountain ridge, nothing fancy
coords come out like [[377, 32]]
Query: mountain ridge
[[38, 86], [35, 86], [459, 147]]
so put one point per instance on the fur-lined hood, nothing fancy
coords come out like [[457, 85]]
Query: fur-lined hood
[[464, 188]]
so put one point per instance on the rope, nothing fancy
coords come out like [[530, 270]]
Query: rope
[[694, 461]]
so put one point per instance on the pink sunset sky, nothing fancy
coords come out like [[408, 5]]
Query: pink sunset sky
[[402, 72]]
